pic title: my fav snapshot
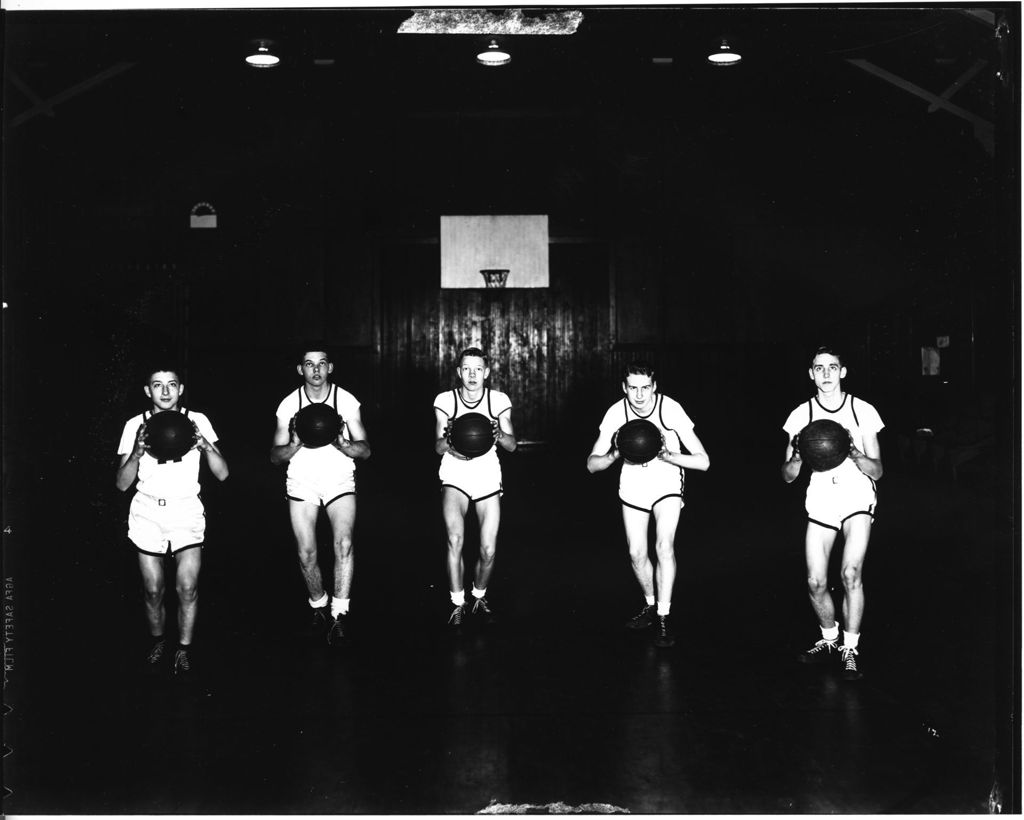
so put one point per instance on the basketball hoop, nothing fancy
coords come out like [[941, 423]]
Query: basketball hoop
[[495, 277]]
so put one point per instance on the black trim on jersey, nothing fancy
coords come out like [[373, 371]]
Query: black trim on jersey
[[810, 408], [657, 404], [333, 389], [472, 407], [327, 504], [859, 512]]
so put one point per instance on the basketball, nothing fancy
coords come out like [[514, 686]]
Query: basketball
[[169, 435], [639, 441], [472, 434], [317, 425], [824, 444]]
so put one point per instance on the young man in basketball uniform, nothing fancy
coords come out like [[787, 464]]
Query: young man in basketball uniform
[[475, 481], [322, 478], [843, 500], [166, 516], [651, 490]]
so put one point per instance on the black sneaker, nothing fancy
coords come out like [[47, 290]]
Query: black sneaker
[[663, 636], [320, 620], [156, 654], [182, 662], [455, 619], [822, 652], [849, 658], [338, 630], [643, 619], [482, 611]]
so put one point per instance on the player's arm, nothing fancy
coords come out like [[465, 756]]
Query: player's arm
[[603, 454], [286, 442], [441, 426], [869, 461], [128, 469], [504, 434], [358, 446], [791, 466], [697, 459]]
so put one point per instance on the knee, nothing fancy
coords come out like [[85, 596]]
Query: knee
[[816, 585], [666, 551], [154, 593], [307, 556], [188, 590], [343, 546], [852, 576], [487, 552], [455, 541]]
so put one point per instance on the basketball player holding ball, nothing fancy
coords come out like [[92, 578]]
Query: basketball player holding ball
[[840, 499], [652, 490], [166, 515], [322, 477], [469, 480]]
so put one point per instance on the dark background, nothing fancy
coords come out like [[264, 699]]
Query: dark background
[[719, 222]]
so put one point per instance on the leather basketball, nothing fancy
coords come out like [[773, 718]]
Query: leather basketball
[[824, 444], [472, 434], [639, 441], [317, 425], [169, 435]]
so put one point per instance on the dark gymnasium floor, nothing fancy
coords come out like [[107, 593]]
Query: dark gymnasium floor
[[556, 704]]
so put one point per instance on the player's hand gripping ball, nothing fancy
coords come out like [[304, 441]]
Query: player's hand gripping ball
[[472, 434], [824, 444], [169, 435], [317, 425], [639, 441]]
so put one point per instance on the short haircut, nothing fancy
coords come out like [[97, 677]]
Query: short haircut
[[310, 345], [637, 368], [828, 350], [163, 366], [472, 351]]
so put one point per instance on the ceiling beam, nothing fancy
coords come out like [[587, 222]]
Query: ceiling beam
[[984, 131], [46, 106], [961, 81]]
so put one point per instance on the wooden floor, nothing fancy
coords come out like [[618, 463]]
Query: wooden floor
[[556, 704]]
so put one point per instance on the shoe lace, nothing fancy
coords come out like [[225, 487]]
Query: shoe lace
[[156, 653], [456, 616], [821, 646], [849, 658], [480, 605], [662, 625], [181, 661]]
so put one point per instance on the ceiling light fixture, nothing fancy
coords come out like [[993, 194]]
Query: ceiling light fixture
[[724, 55], [493, 55], [262, 57]]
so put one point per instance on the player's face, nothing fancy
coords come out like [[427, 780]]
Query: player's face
[[164, 390], [315, 368], [826, 372], [472, 372], [639, 391]]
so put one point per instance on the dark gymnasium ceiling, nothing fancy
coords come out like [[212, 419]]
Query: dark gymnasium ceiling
[[874, 121]]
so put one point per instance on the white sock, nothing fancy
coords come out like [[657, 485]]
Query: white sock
[[339, 606], [831, 634], [319, 602], [649, 599], [479, 593], [459, 598], [664, 607], [850, 639]]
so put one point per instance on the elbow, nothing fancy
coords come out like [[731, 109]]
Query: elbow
[[706, 463]]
